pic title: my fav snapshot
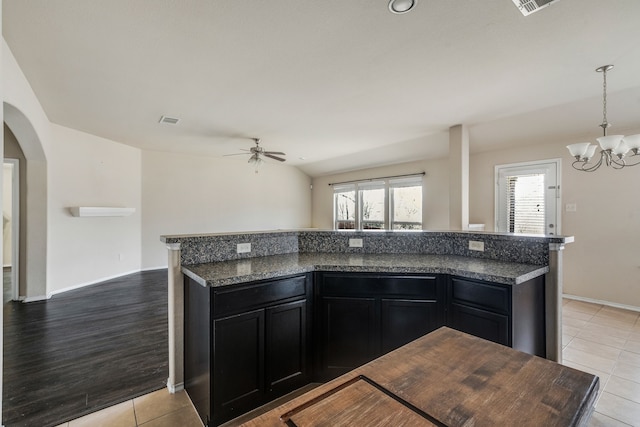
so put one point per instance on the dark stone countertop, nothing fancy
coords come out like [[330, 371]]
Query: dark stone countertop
[[268, 267]]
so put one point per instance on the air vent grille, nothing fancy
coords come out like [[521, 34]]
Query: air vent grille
[[169, 120], [527, 7]]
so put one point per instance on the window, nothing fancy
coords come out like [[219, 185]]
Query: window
[[344, 202], [381, 204]]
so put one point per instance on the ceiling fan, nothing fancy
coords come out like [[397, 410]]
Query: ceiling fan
[[257, 153]]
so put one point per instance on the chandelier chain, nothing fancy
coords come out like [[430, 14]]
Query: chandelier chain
[[605, 123]]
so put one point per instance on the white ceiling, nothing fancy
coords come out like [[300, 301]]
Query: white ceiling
[[342, 84]]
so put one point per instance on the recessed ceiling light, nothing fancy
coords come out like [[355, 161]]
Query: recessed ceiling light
[[401, 6], [169, 120]]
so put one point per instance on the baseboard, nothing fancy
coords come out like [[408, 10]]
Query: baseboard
[[162, 267], [93, 282], [598, 301], [34, 299], [174, 388]]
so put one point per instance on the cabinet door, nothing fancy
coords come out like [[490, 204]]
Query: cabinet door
[[406, 320], [286, 347], [348, 334], [238, 364], [481, 323]]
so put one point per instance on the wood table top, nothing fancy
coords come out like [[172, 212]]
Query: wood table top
[[446, 378]]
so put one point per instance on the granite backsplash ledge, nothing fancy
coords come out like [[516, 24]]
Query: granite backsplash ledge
[[203, 248], [196, 249]]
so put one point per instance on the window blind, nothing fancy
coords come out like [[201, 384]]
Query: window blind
[[526, 204]]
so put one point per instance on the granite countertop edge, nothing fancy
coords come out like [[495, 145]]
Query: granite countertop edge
[[225, 273]]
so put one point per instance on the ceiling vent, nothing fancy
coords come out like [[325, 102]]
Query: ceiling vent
[[527, 7], [169, 120]]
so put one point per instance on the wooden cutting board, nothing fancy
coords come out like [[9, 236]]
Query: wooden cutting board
[[358, 402]]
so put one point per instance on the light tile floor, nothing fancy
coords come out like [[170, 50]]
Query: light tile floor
[[601, 340], [157, 409], [605, 341]]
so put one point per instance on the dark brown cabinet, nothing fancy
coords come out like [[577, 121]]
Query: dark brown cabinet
[[362, 316], [252, 347], [505, 314]]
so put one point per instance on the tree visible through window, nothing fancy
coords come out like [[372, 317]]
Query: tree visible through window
[[385, 204]]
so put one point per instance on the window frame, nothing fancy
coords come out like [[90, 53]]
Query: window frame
[[388, 184]]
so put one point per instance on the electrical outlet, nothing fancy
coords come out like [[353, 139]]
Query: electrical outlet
[[355, 243], [244, 248], [571, 207], [475, 245]]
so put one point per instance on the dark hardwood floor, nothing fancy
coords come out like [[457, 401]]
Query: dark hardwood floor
[[84, 350]]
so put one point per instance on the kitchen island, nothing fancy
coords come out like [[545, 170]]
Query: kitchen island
[[304, 306], [446, 378], [258, 328]]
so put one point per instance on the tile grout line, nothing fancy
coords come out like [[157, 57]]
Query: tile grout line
[[135, 415], [602, 391]]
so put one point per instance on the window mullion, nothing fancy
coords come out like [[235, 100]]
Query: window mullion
[[358, 216], [388, 201]]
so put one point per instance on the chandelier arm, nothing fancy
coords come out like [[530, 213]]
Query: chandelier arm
[[617, 163], [633, 164], [593, 167]]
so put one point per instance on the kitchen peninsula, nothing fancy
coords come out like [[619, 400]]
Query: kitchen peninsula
[[351, 296]]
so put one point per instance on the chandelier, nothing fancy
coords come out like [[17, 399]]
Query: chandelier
[[613, 148]]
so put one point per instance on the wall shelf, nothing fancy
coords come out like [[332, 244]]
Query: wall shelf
[[100, 211]]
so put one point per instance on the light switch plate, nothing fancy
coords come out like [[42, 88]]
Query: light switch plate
[[244, 248], [571, 207]]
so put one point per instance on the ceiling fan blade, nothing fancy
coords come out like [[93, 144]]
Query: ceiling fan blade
[[269, 155], [236, 154], [276, 153]]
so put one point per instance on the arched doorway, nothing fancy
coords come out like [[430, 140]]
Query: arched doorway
[[33, 255]]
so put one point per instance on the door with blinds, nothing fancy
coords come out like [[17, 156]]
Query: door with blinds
[[528, 197]]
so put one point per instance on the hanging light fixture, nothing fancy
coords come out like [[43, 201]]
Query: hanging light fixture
[[613, 148]]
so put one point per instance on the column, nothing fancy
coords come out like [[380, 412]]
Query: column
[[458, 178], [175, 382], [553, 303]]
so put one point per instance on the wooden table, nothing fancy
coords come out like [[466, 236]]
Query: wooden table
[[446, 378]]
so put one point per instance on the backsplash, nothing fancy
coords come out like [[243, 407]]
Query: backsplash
[[196, 249]]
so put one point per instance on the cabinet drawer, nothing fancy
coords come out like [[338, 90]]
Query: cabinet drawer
[[424, 287], [481, 294], [233, 298]]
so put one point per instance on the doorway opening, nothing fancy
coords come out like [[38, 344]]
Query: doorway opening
[[527, 197], [11, 229]]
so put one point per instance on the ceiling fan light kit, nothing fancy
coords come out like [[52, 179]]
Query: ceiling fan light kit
[[613, 148]]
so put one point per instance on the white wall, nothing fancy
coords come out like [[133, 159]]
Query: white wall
[[85, 170], [435, 192], [194, 194]]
